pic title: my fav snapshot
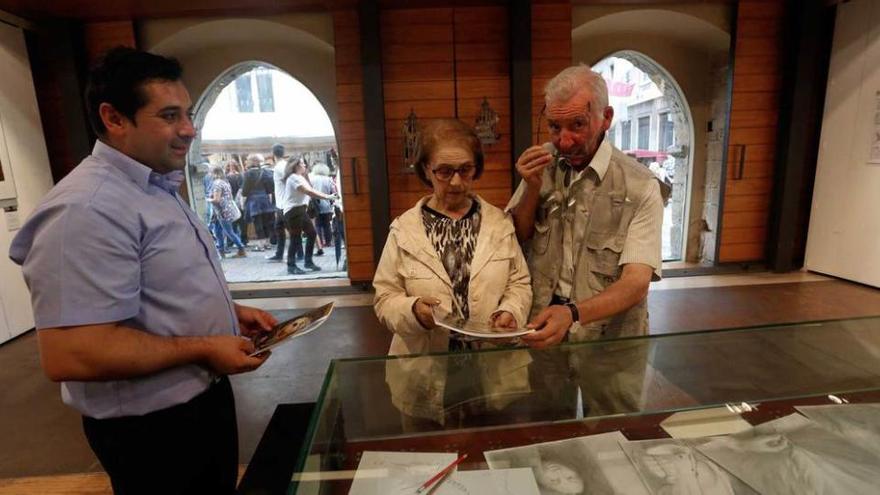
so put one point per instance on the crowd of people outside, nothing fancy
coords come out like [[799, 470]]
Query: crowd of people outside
[[257, 208]]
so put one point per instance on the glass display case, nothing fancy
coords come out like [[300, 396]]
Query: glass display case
[[473, 402]]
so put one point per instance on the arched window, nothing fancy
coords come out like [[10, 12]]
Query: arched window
[[245, 111]]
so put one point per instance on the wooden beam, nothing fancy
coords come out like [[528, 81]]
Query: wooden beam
[[374, 122], [520, 33], [811, 27]]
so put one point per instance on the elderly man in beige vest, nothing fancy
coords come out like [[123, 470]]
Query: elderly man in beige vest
[[589, 219]]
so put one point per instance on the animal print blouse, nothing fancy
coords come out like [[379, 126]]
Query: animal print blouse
[[455, 242]]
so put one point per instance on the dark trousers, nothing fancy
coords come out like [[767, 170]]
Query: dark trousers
[[298, 222], [324, 229], [263, 225], [242, 228], [279, 234], [184, 449]]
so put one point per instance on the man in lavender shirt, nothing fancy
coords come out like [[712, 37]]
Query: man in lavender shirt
[[132, 310]]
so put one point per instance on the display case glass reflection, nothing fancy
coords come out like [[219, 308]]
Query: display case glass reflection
[[488, 401]]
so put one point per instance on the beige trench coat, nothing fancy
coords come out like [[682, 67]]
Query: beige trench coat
[[409, 269]]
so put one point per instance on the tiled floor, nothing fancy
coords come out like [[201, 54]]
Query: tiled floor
[[42, 436]]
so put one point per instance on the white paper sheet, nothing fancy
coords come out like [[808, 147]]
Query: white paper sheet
[[389, 473], [485, 482]]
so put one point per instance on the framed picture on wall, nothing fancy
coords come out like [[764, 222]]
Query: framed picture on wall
[[7, 185]]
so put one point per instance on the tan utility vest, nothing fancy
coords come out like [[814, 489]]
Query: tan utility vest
[[602, 215]]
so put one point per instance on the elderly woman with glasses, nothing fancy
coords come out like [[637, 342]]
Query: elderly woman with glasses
[[455, 253]]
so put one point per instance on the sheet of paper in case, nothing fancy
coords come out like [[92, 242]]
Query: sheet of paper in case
[[488, 482], [795, 455], [858, 423], [593, 464], [704, 423], [390, 473], [672, 466]]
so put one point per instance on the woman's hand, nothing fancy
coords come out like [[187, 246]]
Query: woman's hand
[[423, 309], [503, 320]]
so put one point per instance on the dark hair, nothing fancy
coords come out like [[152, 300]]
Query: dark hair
[[290, 169], [278, 150], [438, 132], [118, 78], [234, 165]]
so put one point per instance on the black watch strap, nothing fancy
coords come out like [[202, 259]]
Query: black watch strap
[[575, 314]]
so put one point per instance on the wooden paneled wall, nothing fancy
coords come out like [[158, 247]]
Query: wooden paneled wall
[[439, 63], [351, 135], [757, 81], [551, 52], [418, 73], [482, 70], [59, 59], [101, 36], [59, 87], [442, 62]]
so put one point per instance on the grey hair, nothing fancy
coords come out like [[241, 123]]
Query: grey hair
[[254, 159], [321, 169], [567, 83]]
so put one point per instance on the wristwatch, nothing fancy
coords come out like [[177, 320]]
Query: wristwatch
[[575, 314]]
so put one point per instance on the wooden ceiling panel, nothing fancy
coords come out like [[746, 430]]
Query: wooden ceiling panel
[[104, 10], [99, 10]]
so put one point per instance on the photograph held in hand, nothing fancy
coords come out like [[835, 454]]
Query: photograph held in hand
[[476, 328], [294, 327]]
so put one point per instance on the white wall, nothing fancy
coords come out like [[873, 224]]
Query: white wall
[[844, 234], [30, 169]]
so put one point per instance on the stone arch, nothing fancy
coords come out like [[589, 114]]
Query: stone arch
[[209, 48], [692, 44], [682, 156]]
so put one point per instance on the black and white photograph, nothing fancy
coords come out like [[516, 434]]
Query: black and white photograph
[[858, 423], [674, 467], [592, 464], [793, 455]]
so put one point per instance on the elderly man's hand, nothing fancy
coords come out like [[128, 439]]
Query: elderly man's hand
[[552, 324], [531, 165]]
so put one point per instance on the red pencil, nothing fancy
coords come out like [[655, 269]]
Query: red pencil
[[441, 474]]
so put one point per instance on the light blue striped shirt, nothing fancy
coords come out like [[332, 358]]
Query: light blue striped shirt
[[114, 242]]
